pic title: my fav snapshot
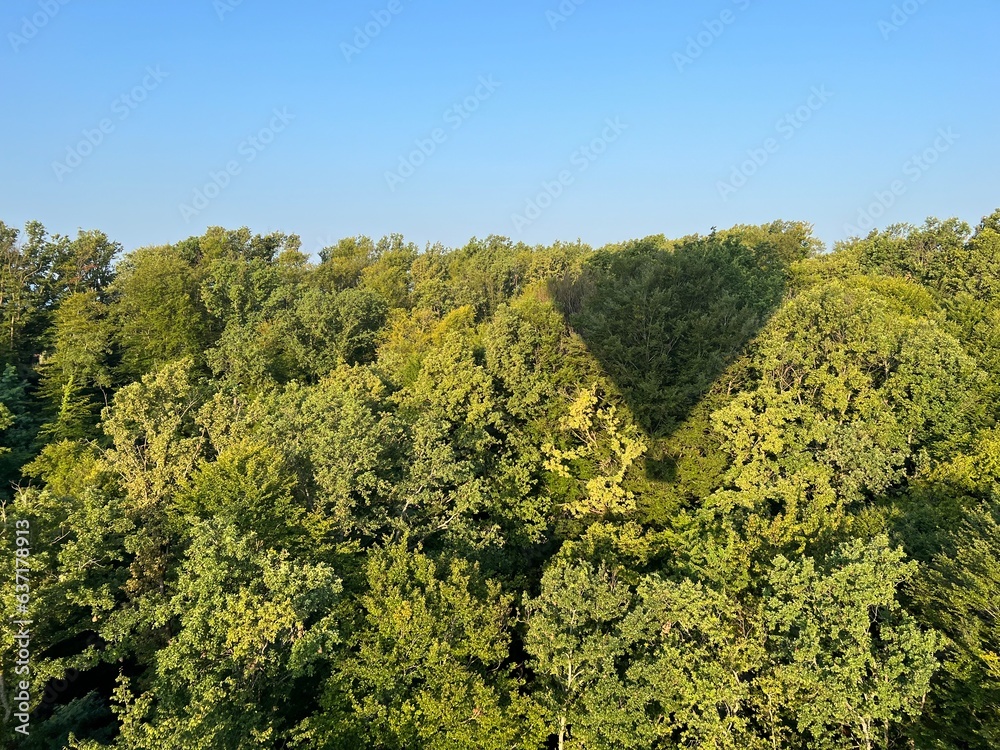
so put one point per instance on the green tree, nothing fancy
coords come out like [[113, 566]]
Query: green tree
[[250, 625], [852, 667], [960, 596], [430, 666], [76, 374], [694, 656], [574, 639], [158, 311], [20, 424]]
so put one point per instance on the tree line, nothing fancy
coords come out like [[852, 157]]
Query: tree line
[[728, 491]]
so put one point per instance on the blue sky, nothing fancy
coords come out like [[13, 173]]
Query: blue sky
[[447, 120]]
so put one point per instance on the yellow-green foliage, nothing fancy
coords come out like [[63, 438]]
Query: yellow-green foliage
[[723, 491]]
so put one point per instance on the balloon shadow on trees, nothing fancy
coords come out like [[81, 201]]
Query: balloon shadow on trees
[[665, 319]]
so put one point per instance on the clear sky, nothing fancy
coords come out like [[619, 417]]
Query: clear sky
[[444, 120]]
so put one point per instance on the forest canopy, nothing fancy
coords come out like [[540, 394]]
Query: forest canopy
[[731, 491]]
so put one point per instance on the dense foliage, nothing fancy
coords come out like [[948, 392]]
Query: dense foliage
[[727, 491]]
